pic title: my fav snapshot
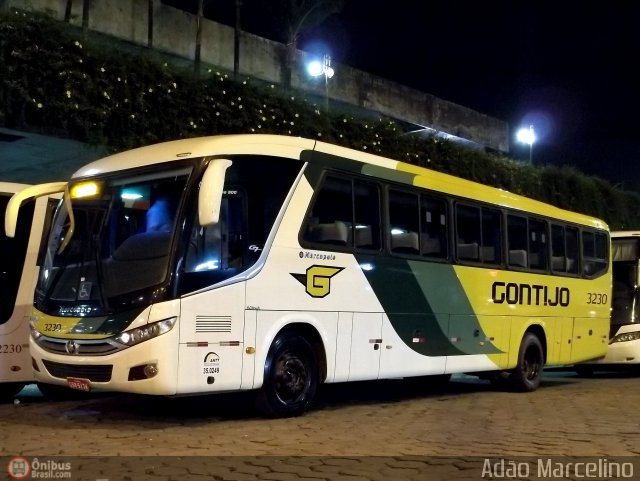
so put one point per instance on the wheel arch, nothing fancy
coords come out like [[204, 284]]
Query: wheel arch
[[538, 331], [303, 326]]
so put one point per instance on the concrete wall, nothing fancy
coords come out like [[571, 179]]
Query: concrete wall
[[174, 32]]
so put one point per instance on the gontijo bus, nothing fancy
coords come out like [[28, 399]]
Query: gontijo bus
[[277, 263], [18, 274]]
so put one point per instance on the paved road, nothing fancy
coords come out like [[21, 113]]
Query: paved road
[[382, 430]]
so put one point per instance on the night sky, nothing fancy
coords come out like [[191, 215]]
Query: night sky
[[565, 67]]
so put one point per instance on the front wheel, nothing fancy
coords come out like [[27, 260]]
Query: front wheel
[[528, 373], [290, 377]]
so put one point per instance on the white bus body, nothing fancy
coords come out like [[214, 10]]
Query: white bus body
[[276, 263], [18, 274]]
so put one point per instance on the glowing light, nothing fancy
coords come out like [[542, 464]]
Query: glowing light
[[84, 189], [207, 265], [127, 195], [526, 136], [315, 68]]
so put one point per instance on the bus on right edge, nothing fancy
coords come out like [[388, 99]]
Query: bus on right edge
[[624, 337]]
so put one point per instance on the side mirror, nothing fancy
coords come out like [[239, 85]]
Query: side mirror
[[13, 207], [210, 195]]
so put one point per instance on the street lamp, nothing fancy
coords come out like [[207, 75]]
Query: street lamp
[[317, 68], [527, 136]]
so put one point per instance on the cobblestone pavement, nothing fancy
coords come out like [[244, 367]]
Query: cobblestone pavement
[[379, 430]]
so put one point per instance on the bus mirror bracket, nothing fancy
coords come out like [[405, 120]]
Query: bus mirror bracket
[[211, 189], [19, 198]]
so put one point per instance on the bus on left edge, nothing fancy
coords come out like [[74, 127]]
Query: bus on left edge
[[18, 275]]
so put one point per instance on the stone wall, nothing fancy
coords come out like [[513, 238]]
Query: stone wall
[[174, 33]]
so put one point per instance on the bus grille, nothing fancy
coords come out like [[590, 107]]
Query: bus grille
[[99, 373], [213, 323], [85, 348]]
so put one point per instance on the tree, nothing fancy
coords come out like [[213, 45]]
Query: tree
[[86, 7], [236, 41], [301, 15], [199, 19], [67, 11], [150, 25]]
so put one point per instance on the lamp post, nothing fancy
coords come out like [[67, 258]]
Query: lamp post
[[316, 69], [527, 136]]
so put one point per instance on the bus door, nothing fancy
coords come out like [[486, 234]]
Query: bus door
[[366, 346], [212, 319]]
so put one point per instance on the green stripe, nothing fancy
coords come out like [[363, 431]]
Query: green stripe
[[388, 174], [419, 297]]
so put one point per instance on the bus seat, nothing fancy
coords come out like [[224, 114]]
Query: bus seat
[[468, 251], [431, 246], [331, 233], [406, 242], [518, 258], [557, 263], [364, 237], [488, 254]]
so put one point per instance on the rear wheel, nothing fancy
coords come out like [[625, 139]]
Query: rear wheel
[[528, 373], [290, 378]]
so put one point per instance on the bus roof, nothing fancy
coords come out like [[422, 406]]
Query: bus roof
[[278, 145], [625, 233]]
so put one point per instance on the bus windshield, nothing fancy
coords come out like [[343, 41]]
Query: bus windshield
[[113, 252]]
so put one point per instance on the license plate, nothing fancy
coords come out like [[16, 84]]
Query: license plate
[[79, 384]]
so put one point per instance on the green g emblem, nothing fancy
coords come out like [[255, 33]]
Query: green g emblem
[[317, 280]]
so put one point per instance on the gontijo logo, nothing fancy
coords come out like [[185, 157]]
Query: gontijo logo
[[317, 280]]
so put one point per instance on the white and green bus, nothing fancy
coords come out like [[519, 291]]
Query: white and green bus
[[624, 337], [18, 274], [273, 263]]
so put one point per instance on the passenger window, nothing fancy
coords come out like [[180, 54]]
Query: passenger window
[[594, 251], [564, 249], [537, 244], [573, 250], [491, 251], [433, 227], [517, 241], [366, 224], [468, 232], [404, 223], [346, 213]]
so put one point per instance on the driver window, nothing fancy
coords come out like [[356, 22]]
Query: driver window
[[215, 252]]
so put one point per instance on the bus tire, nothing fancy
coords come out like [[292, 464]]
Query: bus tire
[[290, 377], [527, 374]]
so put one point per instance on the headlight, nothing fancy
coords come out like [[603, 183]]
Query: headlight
[[34, 332], [627, 336], [144, 333]]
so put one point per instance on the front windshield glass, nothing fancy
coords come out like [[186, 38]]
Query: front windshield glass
[[113, 252]]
